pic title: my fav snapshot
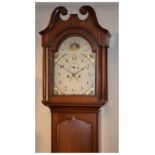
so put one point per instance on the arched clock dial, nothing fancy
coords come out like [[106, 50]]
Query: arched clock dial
[[74, 69]]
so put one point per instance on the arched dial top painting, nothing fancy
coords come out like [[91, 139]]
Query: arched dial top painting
[[74, 68]]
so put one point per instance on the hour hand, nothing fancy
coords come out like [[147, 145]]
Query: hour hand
[[62, 66], [73, 75], [68, 70]]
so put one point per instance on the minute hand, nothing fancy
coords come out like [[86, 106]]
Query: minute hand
[[80, 70], [67, 70], [73, 75]]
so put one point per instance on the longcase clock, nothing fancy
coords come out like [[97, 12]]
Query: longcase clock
[[74, 78]]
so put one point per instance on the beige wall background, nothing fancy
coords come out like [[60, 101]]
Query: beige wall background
[[107, 14]]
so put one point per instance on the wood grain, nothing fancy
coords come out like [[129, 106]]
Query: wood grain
[[74, 123], [74, 136]]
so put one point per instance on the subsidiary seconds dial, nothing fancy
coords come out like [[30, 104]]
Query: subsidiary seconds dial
[[74, 74]]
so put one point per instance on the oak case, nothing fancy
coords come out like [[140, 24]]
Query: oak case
[[74, 117]]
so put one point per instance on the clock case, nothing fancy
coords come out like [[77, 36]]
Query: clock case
[[74, 108]]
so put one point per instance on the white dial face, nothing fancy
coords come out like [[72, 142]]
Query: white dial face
[[74, 69]]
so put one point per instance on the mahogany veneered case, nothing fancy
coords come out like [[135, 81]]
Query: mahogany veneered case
[[74, 118]]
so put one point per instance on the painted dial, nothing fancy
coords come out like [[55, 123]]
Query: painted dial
[[74, 69]]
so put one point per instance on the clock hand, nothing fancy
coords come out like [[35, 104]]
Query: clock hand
[[80, 70], [73, 75], [68, 71]]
